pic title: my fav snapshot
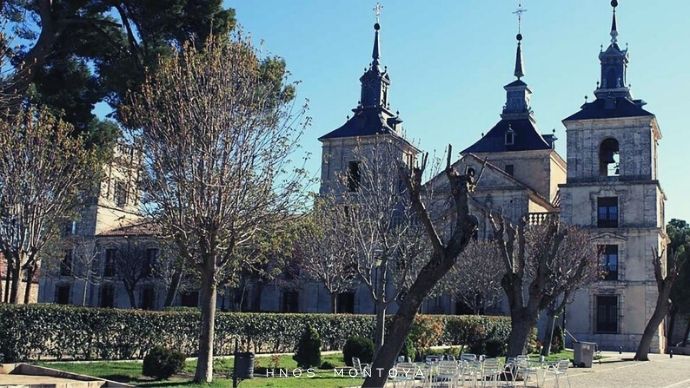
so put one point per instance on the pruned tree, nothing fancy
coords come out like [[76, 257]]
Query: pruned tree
[[541, 264], [443, 254], [475, 279], [665, 276], [43, 170], [217, 143], [371, 215], [323, 254]]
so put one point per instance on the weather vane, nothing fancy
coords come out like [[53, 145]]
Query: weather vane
[[519, 13], [377, 11]]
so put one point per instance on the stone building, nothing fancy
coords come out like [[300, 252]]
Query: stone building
[[83, 269], [613, 190], [520, 171]]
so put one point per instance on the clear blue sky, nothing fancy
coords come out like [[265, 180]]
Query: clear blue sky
[[449, 59]]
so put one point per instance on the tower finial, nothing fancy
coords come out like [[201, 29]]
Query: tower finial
[[376, 53], [519, 68], [614, 28]]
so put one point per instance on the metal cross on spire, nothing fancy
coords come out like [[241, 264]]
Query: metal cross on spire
[[377, 11], [519, 11]]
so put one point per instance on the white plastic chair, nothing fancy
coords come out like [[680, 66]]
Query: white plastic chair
[[405, 374], [447, 375], [490, 371], [528, 368], [559, 369]]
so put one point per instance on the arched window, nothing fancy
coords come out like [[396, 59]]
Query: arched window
[[609, 158]]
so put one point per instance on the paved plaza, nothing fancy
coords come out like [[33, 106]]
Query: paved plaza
[[614, 372]]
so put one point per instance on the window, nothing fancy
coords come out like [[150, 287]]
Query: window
[[148, 298], [66, 264], [62, 294], [70, 229], [290, 302], [510, 169], [607, 314], [109, 265], [150, 260], [609, 158], [189, 299], [607, 212], [353, 176], [510, 136], [120, 194], [107, 296], [346, 303], [609, 262]]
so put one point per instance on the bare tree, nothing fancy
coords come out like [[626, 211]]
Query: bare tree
[[664, 285], [170, 270], [43, 169], [217, 143], [323, 254], [74, 257], [443, 255], [133, 264], [373, 226], [542, 263], [475, 279]]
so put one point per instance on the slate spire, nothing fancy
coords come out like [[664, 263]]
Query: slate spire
[[519, 67], [614, 65], [614, 28]]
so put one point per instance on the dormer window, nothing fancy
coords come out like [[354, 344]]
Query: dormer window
[[510, 136]]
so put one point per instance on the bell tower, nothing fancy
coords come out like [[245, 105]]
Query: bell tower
[[612, 188]]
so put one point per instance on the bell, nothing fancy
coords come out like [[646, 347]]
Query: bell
[[618, 170]]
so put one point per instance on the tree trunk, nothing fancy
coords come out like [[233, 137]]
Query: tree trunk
[[172, 288], [29, 283], [334, 302], [671, 324], [380, 327], [1, 294], [7, 285], [387, 354], [204, 366], [84, 289], [520, 327], [687, 332], [132, 297], [16, 277], [548, 333], [660, 311]]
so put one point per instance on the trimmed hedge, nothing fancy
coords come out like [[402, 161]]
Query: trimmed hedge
[[67, 332]]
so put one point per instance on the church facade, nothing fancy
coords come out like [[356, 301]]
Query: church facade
[[609, 186]]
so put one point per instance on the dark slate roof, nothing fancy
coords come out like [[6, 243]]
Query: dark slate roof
[[527, 138], [365, 122], [614, 107]]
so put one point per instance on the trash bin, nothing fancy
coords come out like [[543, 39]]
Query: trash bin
[[584, 353], [244, 365]]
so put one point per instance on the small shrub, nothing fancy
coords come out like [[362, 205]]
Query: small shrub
[[408, 349], [557, 340], [162, 363], [308, 352], [360, 347], [327, 365], [495, 348], [275, 361]]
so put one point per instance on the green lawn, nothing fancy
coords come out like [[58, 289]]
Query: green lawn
[[562, 355], [130, 372]]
